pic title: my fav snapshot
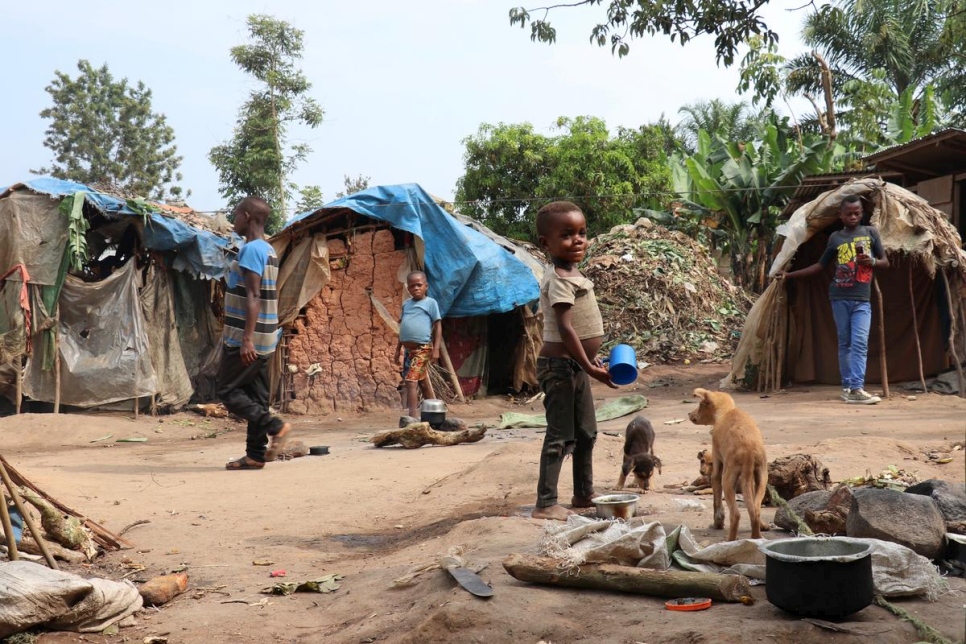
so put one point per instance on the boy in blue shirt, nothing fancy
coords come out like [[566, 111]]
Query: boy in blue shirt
[[420, 332]]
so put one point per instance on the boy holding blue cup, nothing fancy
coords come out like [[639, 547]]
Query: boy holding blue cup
[[573, 331]]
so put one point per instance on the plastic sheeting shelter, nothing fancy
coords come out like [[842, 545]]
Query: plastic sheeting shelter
[[114, 336], [789, 334], [342, 283]]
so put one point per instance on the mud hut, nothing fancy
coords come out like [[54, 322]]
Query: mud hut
[[341, 289], [105, 300], [917, 304]]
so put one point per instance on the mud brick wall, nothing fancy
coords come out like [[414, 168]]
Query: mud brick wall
[[344, 334]]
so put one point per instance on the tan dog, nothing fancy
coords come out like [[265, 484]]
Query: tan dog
[[738, 457]]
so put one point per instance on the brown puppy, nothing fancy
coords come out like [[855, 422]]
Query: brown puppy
[[639, 454], [738, 457]]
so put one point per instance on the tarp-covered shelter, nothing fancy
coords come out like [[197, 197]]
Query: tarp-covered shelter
[[918, 317], [106, 300], [342, 285]]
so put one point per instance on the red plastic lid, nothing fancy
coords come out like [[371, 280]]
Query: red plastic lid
[[688, 603]]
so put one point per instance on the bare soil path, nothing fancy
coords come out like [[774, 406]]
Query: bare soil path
[[372, 514]]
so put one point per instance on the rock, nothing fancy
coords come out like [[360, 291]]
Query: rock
[[910, 520], [453, 425], [832, 518], [815, 501], [950, 497], [294, 449], [406, 421]]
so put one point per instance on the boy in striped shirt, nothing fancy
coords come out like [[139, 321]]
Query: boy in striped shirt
[[250, 336]]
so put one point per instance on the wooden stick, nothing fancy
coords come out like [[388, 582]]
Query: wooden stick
[[915, 330], [953, 323], [57, 361], [27, 518], [882, 344], [103, 536], [628, 579], [18, 365], [7, 524], [454, 379]]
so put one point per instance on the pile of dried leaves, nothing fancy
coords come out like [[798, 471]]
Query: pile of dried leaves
[[659, 291]]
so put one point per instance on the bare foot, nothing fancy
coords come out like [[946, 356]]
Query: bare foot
[[555, 512], [582, 501]]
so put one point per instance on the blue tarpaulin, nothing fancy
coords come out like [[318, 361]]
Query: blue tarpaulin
[[197, 251], [468, 274]]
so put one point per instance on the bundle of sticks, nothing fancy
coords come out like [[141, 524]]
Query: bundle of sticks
[[71, 531]]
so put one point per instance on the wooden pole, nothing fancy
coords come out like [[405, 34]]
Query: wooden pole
[[27, 518], [57, 361], [629, 579], [915, 329], [882, 344], [953, 323], [454, 379], [12, 551], [18, 365]]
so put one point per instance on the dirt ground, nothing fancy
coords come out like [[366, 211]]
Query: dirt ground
[[372, 514]]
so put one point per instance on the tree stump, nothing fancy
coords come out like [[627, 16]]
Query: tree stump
[[628, 579], [419, 434]]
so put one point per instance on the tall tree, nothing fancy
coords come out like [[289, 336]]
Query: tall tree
[[352, 186], [733, 121], [258, 159], [731, 22], [511, 171], [103, 130]]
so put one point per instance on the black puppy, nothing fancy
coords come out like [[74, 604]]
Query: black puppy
[[639, 454]]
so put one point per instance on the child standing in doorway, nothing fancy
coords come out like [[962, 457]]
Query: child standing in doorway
[[420, 332], [572, 334]]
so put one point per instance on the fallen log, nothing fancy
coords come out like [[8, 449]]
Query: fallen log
[[628, 579], [419, 434]]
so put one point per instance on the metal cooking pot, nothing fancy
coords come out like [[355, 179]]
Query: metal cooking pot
[[432, 411], [829, 578]]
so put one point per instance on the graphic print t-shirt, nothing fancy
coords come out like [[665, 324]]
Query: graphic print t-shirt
[[851, 281]]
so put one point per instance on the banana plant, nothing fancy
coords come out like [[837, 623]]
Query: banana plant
[[743, 186]]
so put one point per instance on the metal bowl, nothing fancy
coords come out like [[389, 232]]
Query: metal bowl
[[616, 506]]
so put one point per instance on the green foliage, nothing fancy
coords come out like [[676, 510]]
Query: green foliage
[[353, 186], [511, 171], [741, 188], [310, 199], [731, 22], [72, 207], [257, 159], [733, 121], [103, 130]]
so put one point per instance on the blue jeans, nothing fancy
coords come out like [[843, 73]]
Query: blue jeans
[[852, 321]]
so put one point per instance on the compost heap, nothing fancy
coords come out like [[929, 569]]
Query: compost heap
[[659, 291]]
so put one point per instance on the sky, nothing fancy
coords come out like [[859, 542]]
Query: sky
[[402, 83]]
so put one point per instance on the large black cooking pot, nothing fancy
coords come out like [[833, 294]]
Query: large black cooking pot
[[828, 578]]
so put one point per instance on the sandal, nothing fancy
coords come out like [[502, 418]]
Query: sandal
[[278, 442], [244, 463]]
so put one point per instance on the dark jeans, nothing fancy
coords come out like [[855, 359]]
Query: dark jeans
[[571, 428], [244, 390]]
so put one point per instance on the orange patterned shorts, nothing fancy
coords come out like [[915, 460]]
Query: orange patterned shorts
[[418, 361]]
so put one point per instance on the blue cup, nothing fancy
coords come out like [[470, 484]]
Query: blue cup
[[622, 364]]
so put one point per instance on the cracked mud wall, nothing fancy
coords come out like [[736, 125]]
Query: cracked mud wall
[[344, 334]]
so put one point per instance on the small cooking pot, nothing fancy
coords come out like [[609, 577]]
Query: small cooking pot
[[433, 411], [616, 506], [829, 578]]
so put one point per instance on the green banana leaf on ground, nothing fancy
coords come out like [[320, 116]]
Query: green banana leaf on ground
[[623, 406]]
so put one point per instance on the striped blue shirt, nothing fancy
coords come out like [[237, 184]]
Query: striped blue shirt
[[256, 256]]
